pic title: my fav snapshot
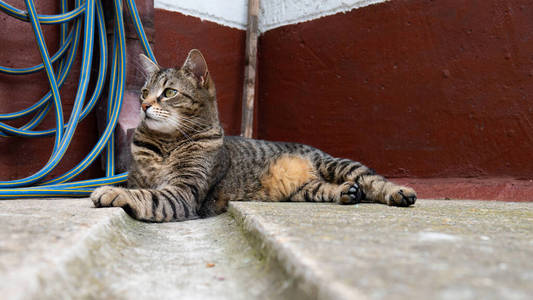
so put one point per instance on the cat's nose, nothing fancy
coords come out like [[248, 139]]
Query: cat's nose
[[145, 106]]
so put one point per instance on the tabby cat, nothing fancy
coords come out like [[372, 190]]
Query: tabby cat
[[183, 166]]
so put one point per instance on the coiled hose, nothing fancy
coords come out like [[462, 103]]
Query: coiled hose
[[87, 15]]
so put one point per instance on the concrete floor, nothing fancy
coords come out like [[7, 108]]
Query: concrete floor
[[61, 249], [434, 250]]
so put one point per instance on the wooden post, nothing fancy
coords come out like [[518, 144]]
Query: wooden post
[[250, 65]]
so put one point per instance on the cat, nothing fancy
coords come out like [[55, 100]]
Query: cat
[[183, 167]]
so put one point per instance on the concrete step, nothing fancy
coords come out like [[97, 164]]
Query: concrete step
[[66, 249], [435, 250]]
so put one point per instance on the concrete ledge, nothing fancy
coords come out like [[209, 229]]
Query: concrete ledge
[[67, 249], [434, 250], [308, 277], [52, 249], [52, 244]]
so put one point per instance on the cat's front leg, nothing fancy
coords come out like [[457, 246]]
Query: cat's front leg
[[147, 204], [379, 189], [109, 196], [401, 196]]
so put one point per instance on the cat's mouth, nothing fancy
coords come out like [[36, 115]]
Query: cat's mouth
[[147, 116]]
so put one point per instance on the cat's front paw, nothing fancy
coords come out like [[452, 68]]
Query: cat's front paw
[[401, 196], [108, 196], [351, 193]]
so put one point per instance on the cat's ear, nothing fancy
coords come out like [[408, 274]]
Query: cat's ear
[[195, 63], [149, 66]]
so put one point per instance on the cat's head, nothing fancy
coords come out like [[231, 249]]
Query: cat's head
[[178, 101]]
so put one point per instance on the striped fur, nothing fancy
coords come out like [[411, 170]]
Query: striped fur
[[183, 167]]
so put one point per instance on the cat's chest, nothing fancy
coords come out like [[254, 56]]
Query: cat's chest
[[158, 167], [151, 166]]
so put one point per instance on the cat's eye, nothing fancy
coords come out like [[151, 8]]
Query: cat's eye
[[144, 94], [169, 93]]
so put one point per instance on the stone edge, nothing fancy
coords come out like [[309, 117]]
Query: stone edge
[[305, 272], [56, 271]]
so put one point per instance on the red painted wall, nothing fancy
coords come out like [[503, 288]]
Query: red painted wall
[[412, 88], [20, 156], [223, 48]]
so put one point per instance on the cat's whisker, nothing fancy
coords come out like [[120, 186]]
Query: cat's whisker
[[177, 125], [184, 134], [191, 123], [188, 128], [196, 120], [194, 123]]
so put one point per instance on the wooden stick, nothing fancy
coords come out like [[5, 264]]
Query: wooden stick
[[250, 65]]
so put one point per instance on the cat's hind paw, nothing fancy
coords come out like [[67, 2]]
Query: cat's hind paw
[[402, 196], [351, 194], [106, 196]]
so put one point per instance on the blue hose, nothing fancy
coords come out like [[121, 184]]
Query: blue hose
[[43, 19], [87, 15]]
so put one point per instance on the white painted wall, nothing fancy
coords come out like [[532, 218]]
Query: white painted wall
[[277, 13], [274, 13], [232, 13]]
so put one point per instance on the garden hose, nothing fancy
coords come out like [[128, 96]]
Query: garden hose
[[88, 15]]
